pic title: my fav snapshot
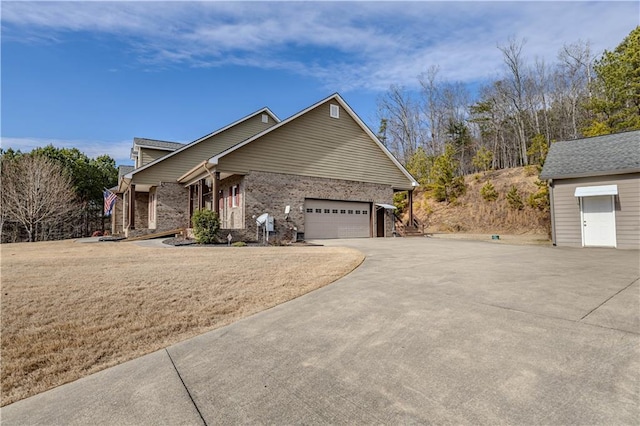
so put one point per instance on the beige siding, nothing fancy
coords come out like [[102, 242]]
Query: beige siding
[[148, 155], [317, 145], [172, 168], [627, 210]]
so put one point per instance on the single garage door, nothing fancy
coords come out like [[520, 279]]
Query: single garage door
[[336, 219]]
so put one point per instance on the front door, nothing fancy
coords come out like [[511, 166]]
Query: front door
[[380, 222], [598, 221]]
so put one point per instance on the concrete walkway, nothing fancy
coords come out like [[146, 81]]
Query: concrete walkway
[[425, 331]]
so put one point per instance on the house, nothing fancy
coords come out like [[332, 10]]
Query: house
[[320, 173], [595, 191]]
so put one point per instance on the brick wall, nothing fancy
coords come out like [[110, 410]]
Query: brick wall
[[116, 216], [272, 192], [232, 217], [172, 206]]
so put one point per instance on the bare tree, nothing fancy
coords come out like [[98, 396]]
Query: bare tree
[[514, 89], [35, 193], [400, 114], [572, 82]]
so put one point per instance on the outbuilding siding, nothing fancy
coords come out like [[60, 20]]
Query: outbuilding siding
[[568, 226]]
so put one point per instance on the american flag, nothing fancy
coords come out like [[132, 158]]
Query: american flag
[[109, 201]]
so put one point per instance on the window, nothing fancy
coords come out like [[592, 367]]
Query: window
[[357, 211], [343, 211], [350, 211], [334, 211], [334, 111], [309, 210], [364, 212], [318, 210], [265, 118], [327, 210], [235, 196], [152, 209]]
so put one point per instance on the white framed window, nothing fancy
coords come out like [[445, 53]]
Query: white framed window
[[235, 196], [334, 111], [152, 210]]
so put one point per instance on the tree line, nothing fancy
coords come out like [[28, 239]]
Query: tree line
[[53, 193], [445, 130]]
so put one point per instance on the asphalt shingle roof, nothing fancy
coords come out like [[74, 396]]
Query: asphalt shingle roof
[[123, 170], [157, 144], [596, 156]]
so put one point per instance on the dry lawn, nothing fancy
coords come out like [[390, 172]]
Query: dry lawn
[[69, 309]]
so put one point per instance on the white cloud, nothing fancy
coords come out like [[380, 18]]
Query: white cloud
[[366, 45], [118, 150]]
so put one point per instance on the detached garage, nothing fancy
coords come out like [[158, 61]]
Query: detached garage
[[595, 191]]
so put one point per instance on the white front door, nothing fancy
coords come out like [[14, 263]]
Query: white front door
[[598, 221]]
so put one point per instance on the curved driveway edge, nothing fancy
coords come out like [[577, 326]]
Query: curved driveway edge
[[425, 331]]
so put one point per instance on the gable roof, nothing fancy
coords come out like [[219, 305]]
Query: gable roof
[[197, 141], [123, 170], [336, 97], [157, 144], [596, 156]]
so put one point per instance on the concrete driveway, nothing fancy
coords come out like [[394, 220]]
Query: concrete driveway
[[425, 331]]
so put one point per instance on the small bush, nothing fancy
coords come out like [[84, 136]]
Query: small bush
[[488, 192], [531, 170], [239, 244], [205, 226], [540, 199], [514, 199]]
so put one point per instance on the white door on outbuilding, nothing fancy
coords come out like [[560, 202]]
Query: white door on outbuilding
[[336, 219], [598, 221]]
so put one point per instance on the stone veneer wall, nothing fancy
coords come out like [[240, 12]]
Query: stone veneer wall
[[271, 192]]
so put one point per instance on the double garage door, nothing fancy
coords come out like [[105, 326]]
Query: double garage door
[[336, 219]]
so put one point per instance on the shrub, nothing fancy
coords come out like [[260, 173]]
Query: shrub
[[205, 226], [514, 199], [488, 192], [239, 244], [540, 199], [531, 170]]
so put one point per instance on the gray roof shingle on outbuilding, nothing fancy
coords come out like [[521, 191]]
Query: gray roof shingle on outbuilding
[[154, 143], [596, 156]]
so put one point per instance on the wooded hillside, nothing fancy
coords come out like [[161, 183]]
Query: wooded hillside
[[502, 210], [511, 121]]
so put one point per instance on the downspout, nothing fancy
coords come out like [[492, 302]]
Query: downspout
[[552, 212]]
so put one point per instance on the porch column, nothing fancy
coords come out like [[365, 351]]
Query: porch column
[[190, 204], [410, 200], [201, 184], [132, 206], [216, 193]]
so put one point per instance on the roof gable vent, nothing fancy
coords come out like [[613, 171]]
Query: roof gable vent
[[334, 111], [265, 118]]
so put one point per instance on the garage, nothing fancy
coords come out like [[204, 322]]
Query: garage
[[337, 219]]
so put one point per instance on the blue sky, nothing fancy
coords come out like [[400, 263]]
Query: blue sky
[[93, 75]]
